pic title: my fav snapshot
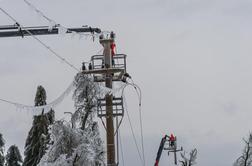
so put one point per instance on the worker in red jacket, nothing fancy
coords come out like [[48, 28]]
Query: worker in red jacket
[[113, 47], [172, 140]]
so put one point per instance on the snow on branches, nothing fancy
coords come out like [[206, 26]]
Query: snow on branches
[[189, 160], [72, 146], [79, 144], [246, 158]]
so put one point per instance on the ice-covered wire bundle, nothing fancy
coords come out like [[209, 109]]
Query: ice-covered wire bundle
[[139, 94], [100, 91], [36, 110]]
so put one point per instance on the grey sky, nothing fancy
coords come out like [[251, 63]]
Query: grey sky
[[192, 59]]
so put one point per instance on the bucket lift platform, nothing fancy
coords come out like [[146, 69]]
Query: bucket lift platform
[[99, 70]]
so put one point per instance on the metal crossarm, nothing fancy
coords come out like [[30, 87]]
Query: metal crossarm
[[117, 106], [16, 30]]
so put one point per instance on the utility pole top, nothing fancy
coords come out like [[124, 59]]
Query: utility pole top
[[110, 38], [103, 41]]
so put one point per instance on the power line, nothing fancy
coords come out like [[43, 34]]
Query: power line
[[47, 107], [53, 22], [140, 116], [132, 131], [38, 11], [139, 94], [41, 42], [54, 103]]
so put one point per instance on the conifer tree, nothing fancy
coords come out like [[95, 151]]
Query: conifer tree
[[1, 150], [38, 137], [13, 157]]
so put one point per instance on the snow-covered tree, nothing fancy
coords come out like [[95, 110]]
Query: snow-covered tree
[[72, 146], [38, 137], [13, 157], [188, 160], [85, 100], [246, 158], [2, 142], [40, 97], [80, 144]]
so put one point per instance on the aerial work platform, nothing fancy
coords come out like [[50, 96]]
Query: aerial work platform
[[100, 71]]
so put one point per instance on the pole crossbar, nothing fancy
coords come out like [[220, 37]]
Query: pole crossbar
[[16, 30]]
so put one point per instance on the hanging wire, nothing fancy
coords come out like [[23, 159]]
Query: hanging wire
[[132, 131], [137, 88], [102, 90], [38, 11], [46, 108], [41, 42], [53, 22], [9, 102], [139, 94]]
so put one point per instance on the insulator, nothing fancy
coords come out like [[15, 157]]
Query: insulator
[[90, 66], [83, 66], [112, 35], [101, 37]]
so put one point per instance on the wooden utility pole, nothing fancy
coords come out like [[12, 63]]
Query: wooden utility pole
[[108, 68], [106, 43]]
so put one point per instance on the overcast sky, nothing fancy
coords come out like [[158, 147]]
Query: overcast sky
[[191, 58]]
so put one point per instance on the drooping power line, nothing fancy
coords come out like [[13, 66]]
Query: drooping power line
[[132, 132], [139, 94]]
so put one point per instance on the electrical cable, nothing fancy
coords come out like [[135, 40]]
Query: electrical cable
[[38, 11], [137, 88], [141, 121], [53, 22], [41, 42], [45, 108], [132, 131], [54, 103], [140, 116], [63, 28]]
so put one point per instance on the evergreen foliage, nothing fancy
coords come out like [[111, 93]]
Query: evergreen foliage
[[77, 144], [85, 100], [13, 157], [40, 98], [2, 142], [38, 137]]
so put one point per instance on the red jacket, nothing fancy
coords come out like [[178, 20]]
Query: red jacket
[[112, 46], [172, 138]]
